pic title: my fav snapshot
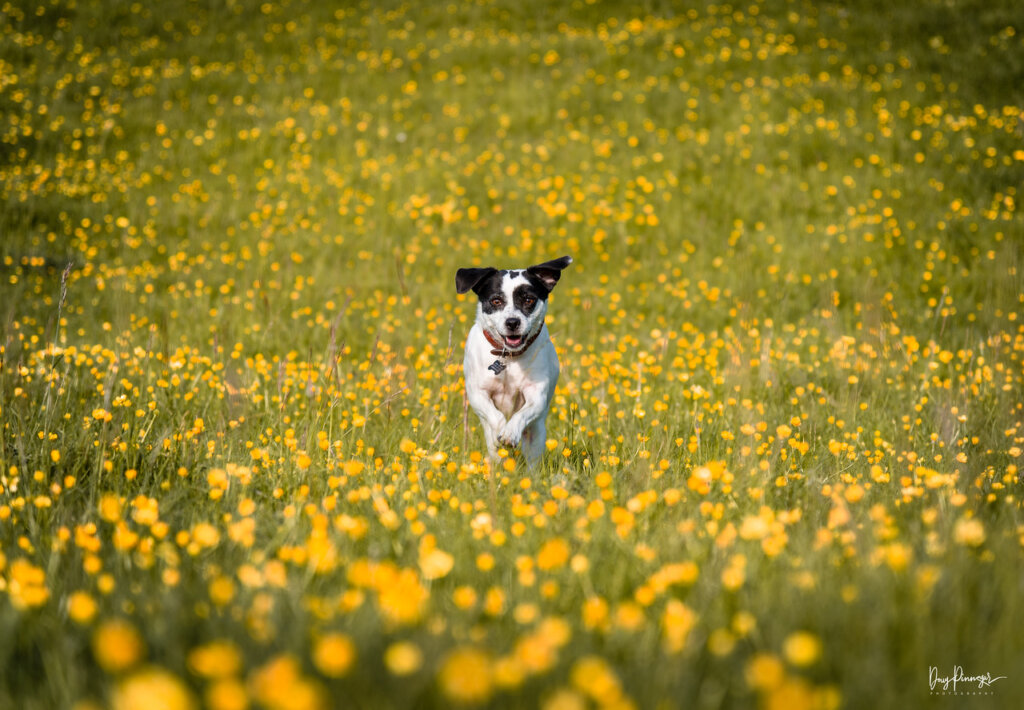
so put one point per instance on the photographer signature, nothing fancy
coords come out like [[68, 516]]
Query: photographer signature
[[949, 683]]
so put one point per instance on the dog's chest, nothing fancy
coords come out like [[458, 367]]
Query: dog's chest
[[506, 388]]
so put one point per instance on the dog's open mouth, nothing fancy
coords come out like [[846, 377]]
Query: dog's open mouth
[[513, 341]]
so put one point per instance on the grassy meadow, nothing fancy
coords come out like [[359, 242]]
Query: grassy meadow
[[236, 466]]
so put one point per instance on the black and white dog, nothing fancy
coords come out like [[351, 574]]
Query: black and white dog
[[510, 366]]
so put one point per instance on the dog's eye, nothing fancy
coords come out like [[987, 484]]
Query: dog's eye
[[529, 301], [496, 302]]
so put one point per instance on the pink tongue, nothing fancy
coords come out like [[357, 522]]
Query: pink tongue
[[513, 340]]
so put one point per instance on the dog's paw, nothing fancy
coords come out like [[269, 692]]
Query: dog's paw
[[510, 435], [509, 441]]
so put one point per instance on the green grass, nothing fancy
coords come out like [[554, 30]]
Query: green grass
[[784, 451]]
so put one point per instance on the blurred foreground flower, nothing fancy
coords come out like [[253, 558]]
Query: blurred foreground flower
[[403, 658], [81, 607], [801, 648], [969, 532], [594, 677], [27, 585], [217, 659], [280, 685], [435, 563], [466, 676], [553, 555], [152, 688], [117, 645], [677, 622], [765, 672], [334, 654]]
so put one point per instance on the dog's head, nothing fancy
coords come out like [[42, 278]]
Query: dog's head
[[512, 301]]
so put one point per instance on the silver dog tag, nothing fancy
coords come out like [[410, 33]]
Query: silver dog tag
[[496, 367]]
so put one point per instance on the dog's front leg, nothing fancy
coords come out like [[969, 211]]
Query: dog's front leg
[[490, 418], [535, 406]]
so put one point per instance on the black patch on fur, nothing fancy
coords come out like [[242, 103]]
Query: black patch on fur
[[466, 279], [523, 294], [489, 287]]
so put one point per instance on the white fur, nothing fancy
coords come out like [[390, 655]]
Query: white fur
[[513, 404]]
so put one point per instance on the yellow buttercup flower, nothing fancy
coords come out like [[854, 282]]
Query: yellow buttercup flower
[[280, 685], [222, 590], [765, 671], [402, 598], [226, 694], [403, 658], [677, 622], [969, 532], [595, 613], [553, 554], [206, 535], [152, 689], [334, 654], [466, 675], [801, 648], [464, 597], [353, 468], [435, 564], [217, 659], [593, 676], [26, 585], [564, 699], [117, 645], [81, 607]]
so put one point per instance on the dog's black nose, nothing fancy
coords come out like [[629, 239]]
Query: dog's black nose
[[512, 324]]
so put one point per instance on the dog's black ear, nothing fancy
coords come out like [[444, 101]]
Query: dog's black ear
[[550, 271], [466, 279]]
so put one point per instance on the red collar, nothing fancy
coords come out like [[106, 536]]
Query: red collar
[[501, 349]]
